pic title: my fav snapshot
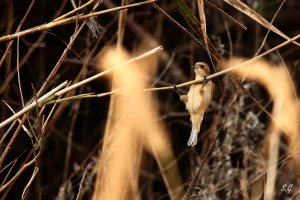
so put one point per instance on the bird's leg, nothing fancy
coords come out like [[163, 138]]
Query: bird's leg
[[176, 89], [183, 98], [205, 80]]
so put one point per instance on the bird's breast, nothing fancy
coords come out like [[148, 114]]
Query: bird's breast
[[194, 99], [199, 97]]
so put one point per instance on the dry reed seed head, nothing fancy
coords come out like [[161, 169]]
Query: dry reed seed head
[[94, 26]]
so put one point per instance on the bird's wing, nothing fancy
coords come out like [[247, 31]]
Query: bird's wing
[[197, 98], [204, 87], [213, 89], [183, 98], [194, 99]]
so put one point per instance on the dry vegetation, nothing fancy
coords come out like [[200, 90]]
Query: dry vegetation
[[90, 109]]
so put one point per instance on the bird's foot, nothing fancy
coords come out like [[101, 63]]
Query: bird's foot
[[183, 98], [205, 80], [176, 89]]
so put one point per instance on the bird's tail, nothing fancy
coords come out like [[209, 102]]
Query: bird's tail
[[196, 124], [193, 137]]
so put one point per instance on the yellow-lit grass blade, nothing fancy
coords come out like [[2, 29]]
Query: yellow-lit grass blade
[[132, 126]]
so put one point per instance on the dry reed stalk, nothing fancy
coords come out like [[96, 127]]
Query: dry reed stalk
[[285, 112], [131, 126], [73, 19]]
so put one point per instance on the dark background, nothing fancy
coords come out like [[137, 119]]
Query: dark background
[[234, 143]]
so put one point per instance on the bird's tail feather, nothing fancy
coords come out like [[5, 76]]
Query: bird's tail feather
[[196, 124], [193, 137]]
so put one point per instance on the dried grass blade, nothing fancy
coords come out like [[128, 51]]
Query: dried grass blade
[[242, 7], [202, 21], [222, 12]]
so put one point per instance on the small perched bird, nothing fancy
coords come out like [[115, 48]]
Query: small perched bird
[[198, 99]]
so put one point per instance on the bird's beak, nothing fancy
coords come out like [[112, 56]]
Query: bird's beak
[[194, 67]]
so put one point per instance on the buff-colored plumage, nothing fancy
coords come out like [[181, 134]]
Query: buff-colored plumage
[[197, 100]]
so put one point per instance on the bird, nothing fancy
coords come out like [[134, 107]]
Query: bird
[[198, 99]]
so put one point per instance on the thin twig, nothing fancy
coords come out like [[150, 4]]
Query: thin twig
[[74, 115], [23, 126], [7, 132], [18, 70], [11, 141], [168, 65], [18, 29], [34, 173], [81, 188], [19, 172], [223, 13], [268, 32], [11, 166]]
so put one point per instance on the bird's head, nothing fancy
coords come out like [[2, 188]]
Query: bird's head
[[201, 69]]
